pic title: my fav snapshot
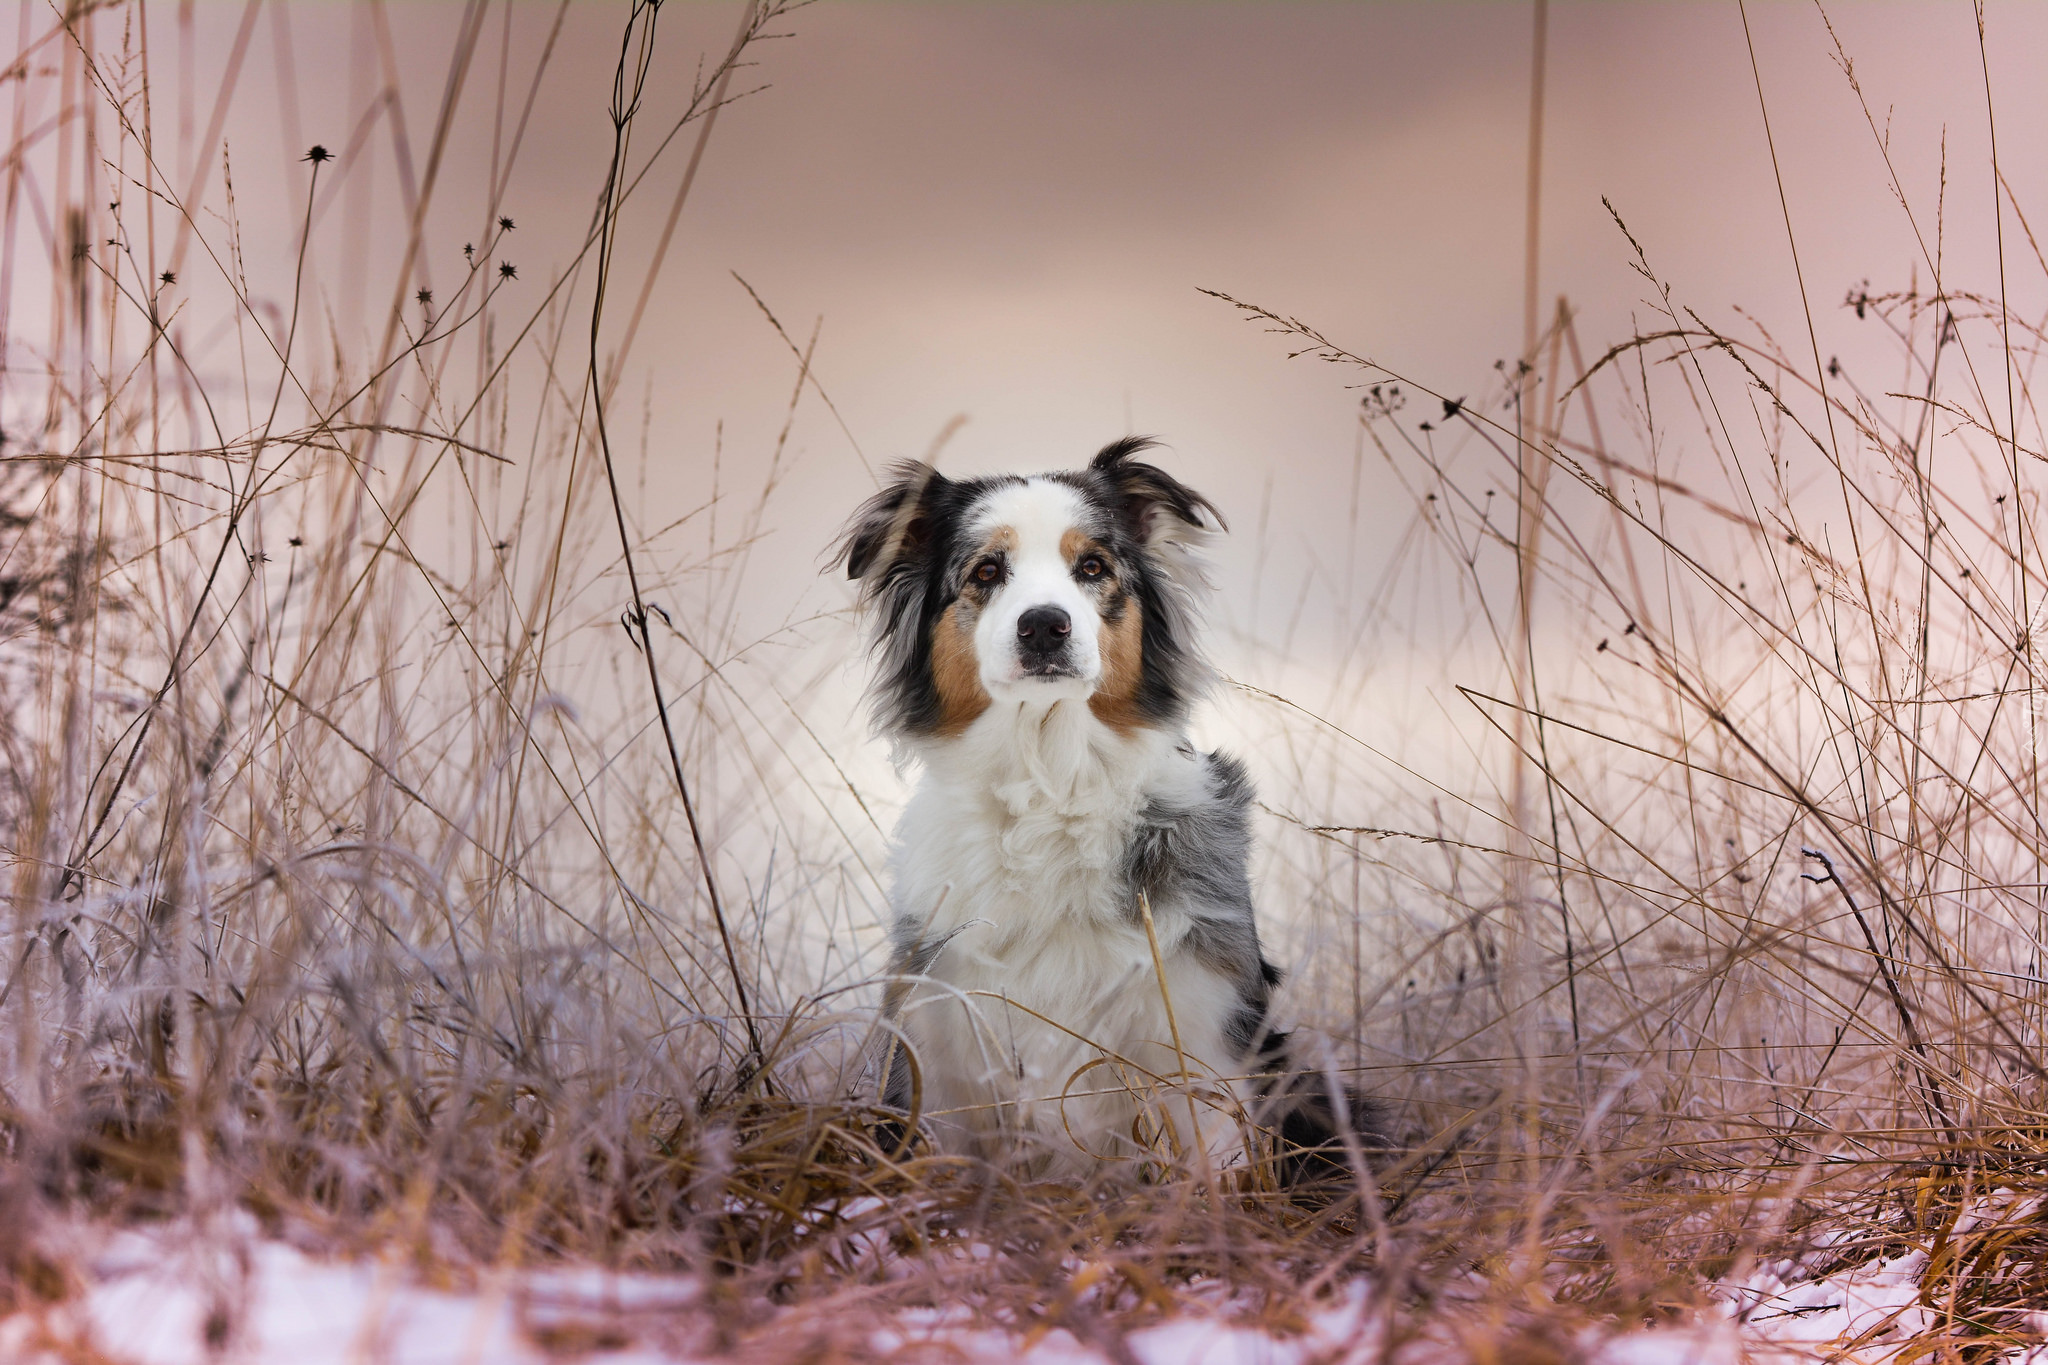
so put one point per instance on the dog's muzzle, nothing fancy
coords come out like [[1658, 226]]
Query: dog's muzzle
[[1042, 635]]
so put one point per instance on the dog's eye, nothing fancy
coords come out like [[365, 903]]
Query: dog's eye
[[988, 571], [1091, 566]]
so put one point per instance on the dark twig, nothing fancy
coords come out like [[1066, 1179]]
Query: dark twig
[[624, 107], [1891, 984]]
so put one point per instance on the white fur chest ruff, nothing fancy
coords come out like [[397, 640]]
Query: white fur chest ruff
[[1035, 804], [1038, 1018]]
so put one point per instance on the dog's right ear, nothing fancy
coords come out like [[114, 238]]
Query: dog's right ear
[[894, 527]]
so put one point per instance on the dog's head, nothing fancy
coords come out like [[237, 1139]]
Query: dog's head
[[1076, 586]]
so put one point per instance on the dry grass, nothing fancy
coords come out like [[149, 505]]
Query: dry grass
[[412, 848]]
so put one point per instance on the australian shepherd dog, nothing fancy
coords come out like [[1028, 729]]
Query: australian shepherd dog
[[1077, 977]]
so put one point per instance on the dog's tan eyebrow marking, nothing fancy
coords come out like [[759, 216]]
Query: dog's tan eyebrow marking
[[1077, 542], [1002, 540]]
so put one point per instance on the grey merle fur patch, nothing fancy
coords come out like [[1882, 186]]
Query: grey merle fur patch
[[1198, 856]]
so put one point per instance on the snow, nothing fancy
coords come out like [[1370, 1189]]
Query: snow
[[1701, 1345], [1875, 1305], [1875, 1300], [149, 1297]]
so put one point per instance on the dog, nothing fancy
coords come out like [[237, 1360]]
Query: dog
[[1077, 976]]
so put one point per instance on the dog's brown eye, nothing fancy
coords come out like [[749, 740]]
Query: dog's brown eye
[[988, 571], [1092, 567]]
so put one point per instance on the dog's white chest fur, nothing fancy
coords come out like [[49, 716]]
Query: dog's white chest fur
[[1038, 1018]]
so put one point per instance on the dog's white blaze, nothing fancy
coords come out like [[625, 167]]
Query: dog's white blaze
[[1038, 513]]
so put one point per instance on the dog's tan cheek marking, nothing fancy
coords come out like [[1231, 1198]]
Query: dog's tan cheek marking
[[1122, 642], [956, 673]]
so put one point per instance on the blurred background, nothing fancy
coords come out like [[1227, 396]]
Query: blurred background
[[1003, 213], [319, 640]]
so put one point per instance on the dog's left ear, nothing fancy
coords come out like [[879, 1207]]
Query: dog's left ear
[[1157, 508]]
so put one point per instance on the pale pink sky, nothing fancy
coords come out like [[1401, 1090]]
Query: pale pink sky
[[1006, 210]]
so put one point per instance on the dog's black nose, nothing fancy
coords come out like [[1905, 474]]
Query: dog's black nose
[[1042, 630]]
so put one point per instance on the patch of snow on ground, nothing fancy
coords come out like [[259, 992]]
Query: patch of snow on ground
[[1874, 1301], [1875, 1305], [155, 1297], [1706, 1344]]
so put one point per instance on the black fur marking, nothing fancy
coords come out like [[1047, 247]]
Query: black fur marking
[[896, 1086], [1144, 492], [1316, 1136], [903, 546]]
